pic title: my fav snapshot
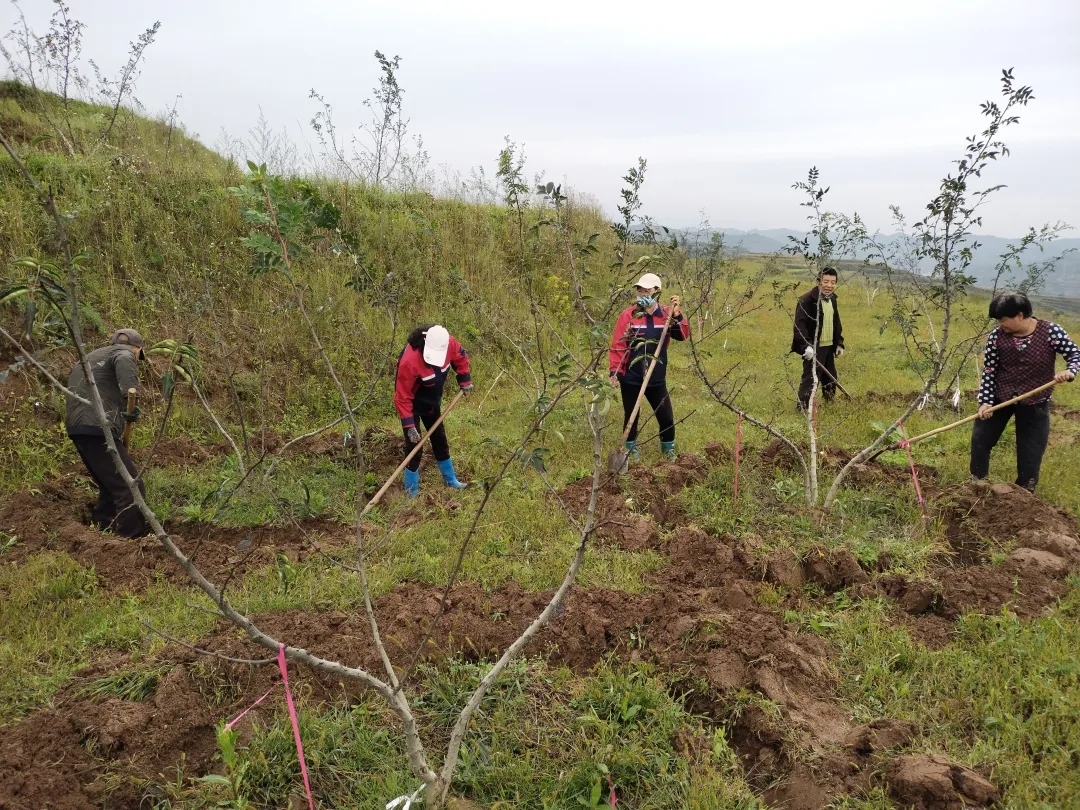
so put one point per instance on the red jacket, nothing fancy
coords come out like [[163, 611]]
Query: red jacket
[[417, 383], [634, 339]]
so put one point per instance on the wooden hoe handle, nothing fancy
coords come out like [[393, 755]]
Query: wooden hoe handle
[[645, 381], [131, 394], [393, 476], [966, 419]]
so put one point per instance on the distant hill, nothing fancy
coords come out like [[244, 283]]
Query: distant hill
[[1064, 282]]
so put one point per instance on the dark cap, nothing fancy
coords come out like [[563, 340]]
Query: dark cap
[[126, 337]]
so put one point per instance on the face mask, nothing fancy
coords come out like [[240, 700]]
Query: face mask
[[645, 302]]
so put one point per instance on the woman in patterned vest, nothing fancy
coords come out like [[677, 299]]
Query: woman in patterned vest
[[1019, 357]]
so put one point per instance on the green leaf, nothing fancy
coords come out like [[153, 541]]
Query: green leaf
[[11, 293], [40, 139], [168, 381], [215, 779]]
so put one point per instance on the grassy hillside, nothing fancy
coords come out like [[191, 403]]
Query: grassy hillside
[[717, 652]]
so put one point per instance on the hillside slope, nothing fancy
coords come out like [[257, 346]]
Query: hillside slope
[[724, 646]]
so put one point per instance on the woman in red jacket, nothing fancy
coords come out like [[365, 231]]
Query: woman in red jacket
[[421, 373], [632, 346]]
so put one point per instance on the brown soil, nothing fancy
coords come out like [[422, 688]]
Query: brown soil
[[179, 451], [382, 449], [700, 619], [867, 475], [936, 783], [1043, 550], [655, 488], [779, 455], [979, 518], [632, 509], [54, 518], [700, 622]]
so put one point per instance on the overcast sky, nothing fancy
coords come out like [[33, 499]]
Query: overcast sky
[[729, 102]]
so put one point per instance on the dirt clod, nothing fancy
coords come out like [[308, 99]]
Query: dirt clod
[[979, 517], [783, 568], [834, 570], [937, 783], [1044, 562], [1061, 545], [880, 735]]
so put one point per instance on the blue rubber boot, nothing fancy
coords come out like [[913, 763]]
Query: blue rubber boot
[[631, 451], [449, 476], [668, 449], [412, 483]]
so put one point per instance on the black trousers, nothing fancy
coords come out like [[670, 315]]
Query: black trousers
[[827, 356], [115, 509], [428, 414], [658, 398], [1032, 434]]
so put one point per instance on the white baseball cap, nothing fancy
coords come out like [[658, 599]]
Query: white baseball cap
[[648, 281], [436, 344]]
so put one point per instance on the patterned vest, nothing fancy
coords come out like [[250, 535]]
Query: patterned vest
[[1024, 363]]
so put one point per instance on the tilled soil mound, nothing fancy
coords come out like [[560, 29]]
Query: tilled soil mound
[[700, 621], [978, 517], [55, 517], [866, 475], [631, 510], [1042, 548]]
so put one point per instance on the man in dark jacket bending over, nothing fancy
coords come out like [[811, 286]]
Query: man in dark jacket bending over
[[114, 372], [812, 308]]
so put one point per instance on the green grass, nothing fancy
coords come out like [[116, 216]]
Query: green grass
[[883, 520], [302, 487], [542, 738], [57, 618], [1003, 695], [130, 684], [162, 232]]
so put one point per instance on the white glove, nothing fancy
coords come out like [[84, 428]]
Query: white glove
[[808, 354], [413, 435]]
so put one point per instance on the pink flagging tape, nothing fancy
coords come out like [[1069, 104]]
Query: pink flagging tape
[[611, 787], [292, 719], [914, 476], [295, 724], [232, 723], [738, 452]]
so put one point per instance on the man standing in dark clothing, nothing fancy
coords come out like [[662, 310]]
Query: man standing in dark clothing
[[114, 372], [1019, 357], [818, 335]]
